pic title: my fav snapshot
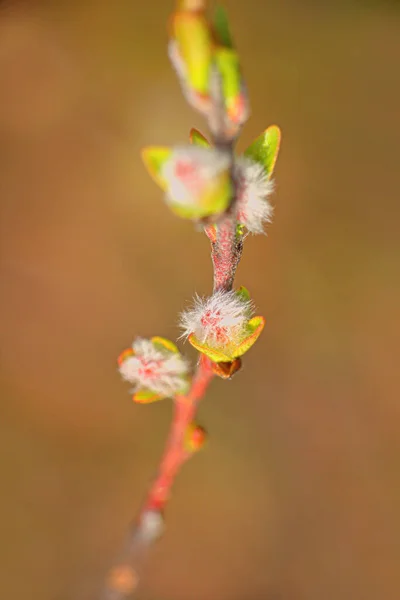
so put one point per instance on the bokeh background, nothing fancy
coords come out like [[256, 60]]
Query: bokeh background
[[297, 495]]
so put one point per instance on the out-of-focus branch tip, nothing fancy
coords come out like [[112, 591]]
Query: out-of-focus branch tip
[[122, 580]]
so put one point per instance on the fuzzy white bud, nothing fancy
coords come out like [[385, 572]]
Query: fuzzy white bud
[[218, 321], [154, 369], [254, 189], [189, 172]]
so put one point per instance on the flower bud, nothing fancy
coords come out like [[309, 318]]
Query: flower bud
[[191, 32], [155, 368], [253, 177], [226, 370], [191, 53], [233, 88], [197, 180], [222, 326], [227, 63], [195, 437]]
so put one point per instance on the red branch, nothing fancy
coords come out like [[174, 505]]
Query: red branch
[[123, 578], [176, 451], [226, 251]]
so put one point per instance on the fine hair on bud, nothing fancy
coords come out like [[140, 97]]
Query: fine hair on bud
[[155, 369], [254, 189], [219, 320]]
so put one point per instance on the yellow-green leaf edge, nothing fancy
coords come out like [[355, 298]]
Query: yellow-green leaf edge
[[265, 149]]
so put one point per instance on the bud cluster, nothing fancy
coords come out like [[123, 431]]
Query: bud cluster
[[229, 196], [204, 181]]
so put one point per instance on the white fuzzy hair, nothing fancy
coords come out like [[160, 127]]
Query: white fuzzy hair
[[253, 205], [168, 369], [219, 320], [207, 163]]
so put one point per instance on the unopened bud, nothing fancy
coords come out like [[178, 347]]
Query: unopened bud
[[191, 33], [195, 437], [155, 368], [226, 370]]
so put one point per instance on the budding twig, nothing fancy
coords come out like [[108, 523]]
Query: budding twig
[[176, 452], [123, 578], [227, 196]]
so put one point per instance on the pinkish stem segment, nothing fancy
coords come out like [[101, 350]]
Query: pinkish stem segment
[[123, 578], [226, 251], [176, 453]]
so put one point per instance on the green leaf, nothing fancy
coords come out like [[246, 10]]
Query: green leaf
[[264, 150], [228, 65], [146, 397], [255, 327], [215, 355], [192, 33], [125, 354], [154, 157], [243, 293], [164, 344], [198, 139], [221, 25]]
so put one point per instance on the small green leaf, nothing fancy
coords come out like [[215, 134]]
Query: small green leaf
[[198, 139], [164, 344], [146, 397], [265, 148], [215, 355], [228, 65], [128, 353], [193, 36], [243, 293], [255, 327], [221, 26], [154, 157]]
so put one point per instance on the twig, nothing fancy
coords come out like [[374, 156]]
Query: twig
[[122, 579], [124, 576], [226, 233], [176, 452]]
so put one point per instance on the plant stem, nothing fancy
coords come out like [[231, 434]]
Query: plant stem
[[176, 453], [226, 251], [123, 578]]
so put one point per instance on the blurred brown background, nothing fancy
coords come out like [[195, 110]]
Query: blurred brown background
[[297, 495]]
